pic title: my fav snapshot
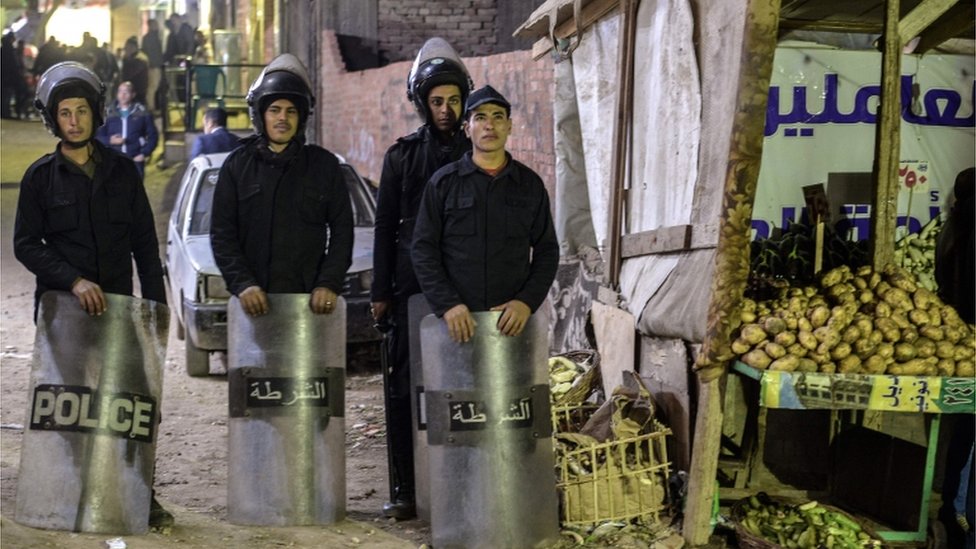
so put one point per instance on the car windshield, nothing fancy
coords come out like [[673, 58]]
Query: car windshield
[[363, 215]]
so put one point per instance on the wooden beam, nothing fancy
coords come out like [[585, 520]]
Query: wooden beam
[[621, 133], [887, 145], [921, 17], [589, 14], [656, 241], [731, 256], [952, 24]]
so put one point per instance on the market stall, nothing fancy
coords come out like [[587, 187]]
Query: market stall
[[665, 188]]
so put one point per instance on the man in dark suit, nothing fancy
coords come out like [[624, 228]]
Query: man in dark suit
[[215, 137]]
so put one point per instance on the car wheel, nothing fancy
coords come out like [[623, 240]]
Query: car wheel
[[197, 360]]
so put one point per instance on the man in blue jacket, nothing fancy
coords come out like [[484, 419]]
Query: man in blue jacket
[[215, 137], [129, 128]]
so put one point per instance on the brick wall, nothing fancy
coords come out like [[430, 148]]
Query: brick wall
[[404, 25], [362, 113]]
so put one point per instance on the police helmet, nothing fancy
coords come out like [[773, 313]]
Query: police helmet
[[285, 77], [66, 80], [437, 64]]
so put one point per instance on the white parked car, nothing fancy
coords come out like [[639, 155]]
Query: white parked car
[[196, 290]]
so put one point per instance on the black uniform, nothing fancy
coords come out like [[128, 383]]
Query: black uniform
[[69, 225], [482, 241], [281, 221], [407, 167]]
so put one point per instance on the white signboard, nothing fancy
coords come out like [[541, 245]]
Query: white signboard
[[820, 128]]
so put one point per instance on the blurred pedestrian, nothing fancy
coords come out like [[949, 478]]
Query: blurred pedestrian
[[129, 128], [135, 69], [152, 46], [215, 137]]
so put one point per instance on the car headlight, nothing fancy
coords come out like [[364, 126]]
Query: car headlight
[[213, 287]]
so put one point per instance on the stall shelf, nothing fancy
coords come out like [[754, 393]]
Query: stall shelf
[[884, 393]]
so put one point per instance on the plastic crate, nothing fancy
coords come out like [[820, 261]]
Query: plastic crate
[[629, 479]]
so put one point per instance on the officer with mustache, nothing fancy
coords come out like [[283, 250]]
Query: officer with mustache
[[282, 220], [438, 85]]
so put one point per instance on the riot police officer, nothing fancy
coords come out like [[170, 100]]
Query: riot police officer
[[438, 85], [83, 214], [282, 220]]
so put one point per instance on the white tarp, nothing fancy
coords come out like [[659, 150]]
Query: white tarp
[[666, 131], [820, 128]]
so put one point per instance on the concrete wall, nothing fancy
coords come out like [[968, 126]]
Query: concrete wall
[[362, 113]]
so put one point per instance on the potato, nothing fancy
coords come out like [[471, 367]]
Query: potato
[[901, 320], [935, 333], [757, 359], [807, 339], [835, 292], [806, 365], [886, 350], [827, 335], [889, 330], [863, 322], [873, 280], [747, 317], [909, 335], [965, 368], [897, 298], [809, 291], [748, 305], [840, 351], [741, 346], [865, 296], [773, 325], [753, 333], [818, 316], [819, 358], [950, 316], [798, 303], [785, 338], [859, 282], [962, 352], [864, 348], [850, 334], [923, 298], [903, 281], [873, 364], [785, 364], [924, 347], [946, 367], [828, 367], [774, 350], [918, 317], [803, 324], [791, 322], [914, 367], [875, 337], [945, 349], [905, 352], [835, 276], [850, 364], [935, 318], [864, 270], [882, 309], [796, 350]]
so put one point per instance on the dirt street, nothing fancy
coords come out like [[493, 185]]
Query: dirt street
[[191, 454]]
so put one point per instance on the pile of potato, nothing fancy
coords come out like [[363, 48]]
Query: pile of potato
[[857, 322], [916, 253]]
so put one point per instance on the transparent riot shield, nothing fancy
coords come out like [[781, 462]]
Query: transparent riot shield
[[490, 451], [94, 396], [417, 309], [286, 447]]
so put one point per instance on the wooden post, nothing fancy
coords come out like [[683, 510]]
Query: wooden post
[[887, 145], [732, 257], [628, 37]]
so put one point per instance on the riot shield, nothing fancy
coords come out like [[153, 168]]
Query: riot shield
[[286, 447], [489, 430], [90, 437], [417, 309]]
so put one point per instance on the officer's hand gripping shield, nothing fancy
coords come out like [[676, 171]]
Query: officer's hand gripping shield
[[489, 436], [90, 437], [286, 447]]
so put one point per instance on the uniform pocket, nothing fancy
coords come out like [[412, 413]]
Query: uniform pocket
[[459, 216], [314, 207], [62, 212]]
